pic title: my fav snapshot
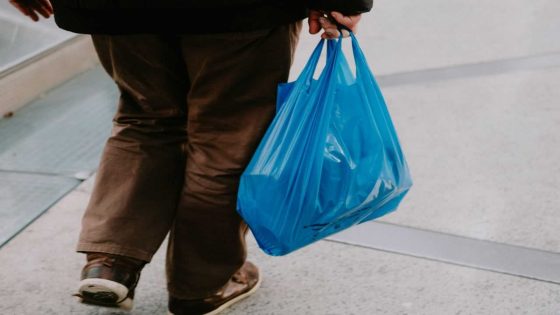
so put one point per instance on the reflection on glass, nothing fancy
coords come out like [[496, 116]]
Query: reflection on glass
[[21, 38]]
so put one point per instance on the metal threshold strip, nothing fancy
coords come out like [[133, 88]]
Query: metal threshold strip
[[480, 254], [471, 70]]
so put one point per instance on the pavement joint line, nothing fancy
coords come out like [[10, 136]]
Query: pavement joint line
[[460, 71], [39, 173], [510, 259], [38, 215]]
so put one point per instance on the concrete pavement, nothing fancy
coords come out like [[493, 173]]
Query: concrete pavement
[[480, 134]]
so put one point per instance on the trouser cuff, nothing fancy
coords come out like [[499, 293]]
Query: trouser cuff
[[115, 250]]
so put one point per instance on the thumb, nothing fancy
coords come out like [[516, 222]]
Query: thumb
[[313, 20]]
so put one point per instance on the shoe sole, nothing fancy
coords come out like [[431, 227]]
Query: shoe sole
[[104, 292], [234, 300]]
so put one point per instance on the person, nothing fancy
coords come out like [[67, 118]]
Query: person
[[197, 82]]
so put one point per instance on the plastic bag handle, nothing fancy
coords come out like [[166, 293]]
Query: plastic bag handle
[[360, 60], [333, 49], [309, 69], [335, 46], [363, 71]]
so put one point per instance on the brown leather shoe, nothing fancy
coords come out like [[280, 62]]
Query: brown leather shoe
[[109, 280], [242, 284]]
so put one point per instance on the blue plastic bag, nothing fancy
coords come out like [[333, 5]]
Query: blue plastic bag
[[329, 160]]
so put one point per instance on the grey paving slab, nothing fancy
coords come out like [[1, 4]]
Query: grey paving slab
[[484, 157], [39, 271], [23, 197], [482, 152], [62, 132], [20, 38], [408, 35]]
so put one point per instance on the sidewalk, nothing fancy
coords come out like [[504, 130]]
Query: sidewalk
[[39, 272], [473, 90]]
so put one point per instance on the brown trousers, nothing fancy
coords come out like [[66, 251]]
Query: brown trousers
[[192, 110]]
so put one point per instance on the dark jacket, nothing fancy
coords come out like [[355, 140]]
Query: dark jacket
[[189, 16]]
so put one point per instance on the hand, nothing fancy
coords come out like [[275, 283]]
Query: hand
[[32, 7], [318, 20]]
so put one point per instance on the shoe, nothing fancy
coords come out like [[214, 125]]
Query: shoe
[[241, 285], [109, 280]]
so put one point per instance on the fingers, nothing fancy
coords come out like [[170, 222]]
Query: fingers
[[47, 5], [19, 7], [26, 11], [31, 14], [318, 20], [331, 30], [43, 11], [349, 21], [43, 7], [31, 8]]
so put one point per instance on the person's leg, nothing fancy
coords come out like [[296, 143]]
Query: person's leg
[[141, 171], [142, 168], [234, 78]]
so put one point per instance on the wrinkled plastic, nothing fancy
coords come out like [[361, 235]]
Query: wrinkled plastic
[[329, 160]]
